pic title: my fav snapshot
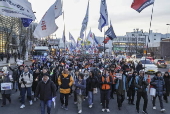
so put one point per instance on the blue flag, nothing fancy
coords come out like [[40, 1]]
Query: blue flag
[[26, 22]]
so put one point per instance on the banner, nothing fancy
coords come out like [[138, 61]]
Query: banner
[[17, 8], [47, 24]]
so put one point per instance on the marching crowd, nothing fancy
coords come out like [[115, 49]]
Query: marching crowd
[[83, 80]]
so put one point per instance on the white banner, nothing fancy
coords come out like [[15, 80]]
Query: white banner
[[16, 8], [47, 24]]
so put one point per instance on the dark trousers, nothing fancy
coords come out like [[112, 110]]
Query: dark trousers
[[160, 100], [75, 96], [165, 96], [120, 99], [131, 95], [64, 97], [145, 97], [112, 90], [23, 92], [105, 95], [4, 97]]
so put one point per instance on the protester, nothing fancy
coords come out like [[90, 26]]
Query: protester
[[6, 94], [46, 91], [65, 82], [131, 88], [106, 82], [80, 84], [91, 85], [158, 83], [26, 80], [167, 86], [121, 87], [141, 84]]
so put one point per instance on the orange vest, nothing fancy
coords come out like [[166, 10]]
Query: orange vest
[[105, 86], [113, 77]]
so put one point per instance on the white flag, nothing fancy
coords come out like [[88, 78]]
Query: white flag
[[84, 23], [90, 38], [17, 8], [47, 24], [71, 38], [103, 20]]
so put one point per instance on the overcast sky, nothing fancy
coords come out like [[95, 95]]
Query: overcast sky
[[123, 17]]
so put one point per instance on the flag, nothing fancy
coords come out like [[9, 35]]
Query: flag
[[103, 20], [47, 24], [110, 33], [17, 8], [106, 40], [26, 22], [139, 5], [71, 38], [95, 40], [90, 38], [84, 23]]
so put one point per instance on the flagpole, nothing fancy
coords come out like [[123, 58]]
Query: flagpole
[[64, 39], [149, 34], [104, 46]]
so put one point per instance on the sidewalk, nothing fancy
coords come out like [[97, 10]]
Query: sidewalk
[[3, 63]]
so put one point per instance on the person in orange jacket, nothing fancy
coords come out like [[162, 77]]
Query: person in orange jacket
[[65, 82]]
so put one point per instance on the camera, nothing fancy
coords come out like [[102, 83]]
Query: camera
[[22, 79]]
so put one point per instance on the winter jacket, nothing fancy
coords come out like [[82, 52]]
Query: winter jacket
[[167, 84], [141, 84], [121, 84], [131, 82], [65, 81], [139, 67], [28, 78], [80, 87], [159, 84], [45, 91], [6, 79], [91, 83]]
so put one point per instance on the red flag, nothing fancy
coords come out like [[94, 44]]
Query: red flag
[[106, 40]]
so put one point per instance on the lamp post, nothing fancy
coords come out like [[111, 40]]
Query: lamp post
[[167, 30]]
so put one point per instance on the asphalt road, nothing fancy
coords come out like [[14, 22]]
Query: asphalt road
[[13, 108]]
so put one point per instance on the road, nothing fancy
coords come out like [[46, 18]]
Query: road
[[13, 108]]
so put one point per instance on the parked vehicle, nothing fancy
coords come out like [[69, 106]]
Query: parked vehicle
[[160, 63], [149, 66]]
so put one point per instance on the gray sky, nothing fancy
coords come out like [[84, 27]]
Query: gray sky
[[123, 17]]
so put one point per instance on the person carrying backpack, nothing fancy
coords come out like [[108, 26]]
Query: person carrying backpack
[[26, 80]]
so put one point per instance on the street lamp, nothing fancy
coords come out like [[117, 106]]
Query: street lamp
[[167, 30]]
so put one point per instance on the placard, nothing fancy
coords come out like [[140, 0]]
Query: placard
[[6, 86]]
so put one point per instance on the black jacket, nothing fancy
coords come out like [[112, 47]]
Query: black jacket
[[167, 84], [91, 83], [46, 91]]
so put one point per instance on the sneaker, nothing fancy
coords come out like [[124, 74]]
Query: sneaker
[[22, 106], [101, 103], [107, 110], [62, 106], [145, 112], [35, 99], [75, 103], [31, 102], [154, 107], [103, 109], [162, 110], [90, 106], [80, 111], [66, 108]]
